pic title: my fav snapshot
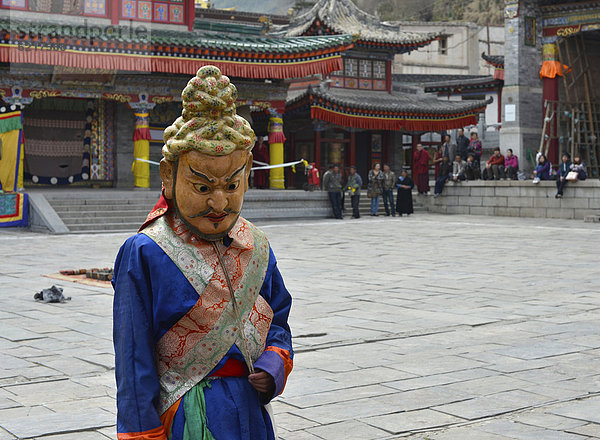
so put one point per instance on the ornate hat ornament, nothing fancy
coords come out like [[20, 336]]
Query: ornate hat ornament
[[208, 122]]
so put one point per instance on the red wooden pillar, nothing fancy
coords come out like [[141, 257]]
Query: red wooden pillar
[[191, 14], [317, 150], [114, 11], [416, 139], [388, 75], [352, 153], [551, 94], [386, 148]]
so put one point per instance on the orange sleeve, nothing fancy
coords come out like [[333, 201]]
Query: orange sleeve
[[153, 434], [288, 363]]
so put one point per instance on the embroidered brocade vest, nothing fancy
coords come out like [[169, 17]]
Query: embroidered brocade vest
[[200, 339]]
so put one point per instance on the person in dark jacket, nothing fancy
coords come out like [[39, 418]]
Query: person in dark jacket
[[353, 188], [449, 149], [475, 147], [462, 144], [563, 170], [388, 184], [332, 183], [542, 170], [472, 170], [445, 173], [404, 201]]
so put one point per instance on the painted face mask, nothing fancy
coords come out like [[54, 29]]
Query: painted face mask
[[207, 156]]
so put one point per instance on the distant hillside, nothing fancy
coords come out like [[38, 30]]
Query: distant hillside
[[277, 7], [481, 12]]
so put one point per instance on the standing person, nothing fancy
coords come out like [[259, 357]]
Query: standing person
[[261, 154], [462, 144], [542, 170], [185, 368], [326, 174], [495, 166], [332, 183], [458, 168], [472, 170], [389, 184], [375, 188], [353, 186], [313, 180], [437, 159], [421, 169], [449, 149], [404, 201], [511, 165], [563, 170], [475, 147], [445, 173]]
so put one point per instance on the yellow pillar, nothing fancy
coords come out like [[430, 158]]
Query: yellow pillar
[[276, 140], [141, 150]]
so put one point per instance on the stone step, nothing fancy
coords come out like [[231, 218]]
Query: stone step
[[104, 208], [112, 227], [110, 214], [105, 201], [139, 219]]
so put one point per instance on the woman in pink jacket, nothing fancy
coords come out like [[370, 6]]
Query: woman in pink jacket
[[511, 165]]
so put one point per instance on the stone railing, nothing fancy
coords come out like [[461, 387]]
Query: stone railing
[[517, 199]]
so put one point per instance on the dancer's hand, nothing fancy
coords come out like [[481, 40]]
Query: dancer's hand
[[263, 382]]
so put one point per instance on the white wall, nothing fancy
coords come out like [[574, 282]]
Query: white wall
[[465, 43], [496, 46]]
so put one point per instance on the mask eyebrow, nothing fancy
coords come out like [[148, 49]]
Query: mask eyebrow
[[235, 174], [199, 174]]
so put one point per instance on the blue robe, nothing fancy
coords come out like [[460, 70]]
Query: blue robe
[[151, 295]]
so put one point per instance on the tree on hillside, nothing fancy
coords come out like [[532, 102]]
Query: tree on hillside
[[481, 12]]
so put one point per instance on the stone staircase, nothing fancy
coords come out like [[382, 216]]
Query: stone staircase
[[119, 211], [111, 210]]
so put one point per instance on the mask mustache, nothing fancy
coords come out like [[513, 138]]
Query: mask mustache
[[209, 210], [202, 214]]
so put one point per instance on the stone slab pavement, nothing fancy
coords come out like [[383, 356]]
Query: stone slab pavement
[[427, 327]]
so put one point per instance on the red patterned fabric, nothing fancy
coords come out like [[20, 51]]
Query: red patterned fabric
[[160, 209], [171, 64], [399, 122]]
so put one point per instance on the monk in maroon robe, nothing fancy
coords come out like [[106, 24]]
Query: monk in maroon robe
[[421, 169], [261, 154]]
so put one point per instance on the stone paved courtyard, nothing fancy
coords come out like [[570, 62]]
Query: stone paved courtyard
[[428, 327]]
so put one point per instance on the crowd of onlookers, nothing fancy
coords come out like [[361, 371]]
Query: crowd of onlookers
[[466, 154], [454, 162], [381, 183], [567, 171]]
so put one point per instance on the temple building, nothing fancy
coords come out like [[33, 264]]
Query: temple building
[[94, 82], [354, 116]]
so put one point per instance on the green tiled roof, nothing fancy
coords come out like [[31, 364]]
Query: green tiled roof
[[123, 34]]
